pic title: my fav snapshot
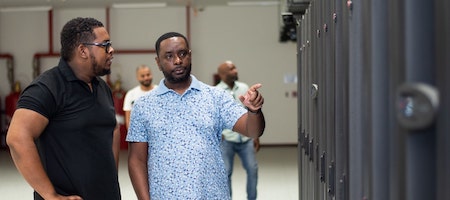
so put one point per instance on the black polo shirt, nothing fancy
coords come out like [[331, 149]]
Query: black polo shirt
[[76, 145]]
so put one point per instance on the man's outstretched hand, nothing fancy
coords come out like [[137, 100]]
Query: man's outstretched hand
[[252, 99]]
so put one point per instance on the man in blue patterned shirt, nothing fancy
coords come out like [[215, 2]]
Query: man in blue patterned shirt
[[175, 130]]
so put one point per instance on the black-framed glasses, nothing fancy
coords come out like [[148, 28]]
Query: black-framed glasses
[[101, 44]]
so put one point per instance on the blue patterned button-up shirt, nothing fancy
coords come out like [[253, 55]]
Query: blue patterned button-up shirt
[[183, 134]]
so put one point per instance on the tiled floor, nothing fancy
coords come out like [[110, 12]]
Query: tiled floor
[[278, 177]]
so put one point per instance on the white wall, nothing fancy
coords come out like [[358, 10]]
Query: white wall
[[246, 35]]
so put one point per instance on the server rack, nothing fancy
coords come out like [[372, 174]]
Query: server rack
[[373, 103]]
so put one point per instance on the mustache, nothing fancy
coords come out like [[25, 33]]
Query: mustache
[[178, 67]]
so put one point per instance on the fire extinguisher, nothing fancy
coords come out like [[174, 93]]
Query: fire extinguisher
[[118, 97], [2, 132], [1, 118], [11, 102]]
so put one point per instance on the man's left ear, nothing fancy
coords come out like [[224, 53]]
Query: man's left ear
[[82, 51]]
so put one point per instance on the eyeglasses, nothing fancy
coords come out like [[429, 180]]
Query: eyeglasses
[[103, 44]]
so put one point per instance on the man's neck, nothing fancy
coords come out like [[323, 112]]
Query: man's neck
[[179, 88], [80, 71], [145, 88], [230, 85]]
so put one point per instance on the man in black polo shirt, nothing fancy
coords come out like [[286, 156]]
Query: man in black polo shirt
[[63, 132]]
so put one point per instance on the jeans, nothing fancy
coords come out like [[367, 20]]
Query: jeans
[[246, 153]]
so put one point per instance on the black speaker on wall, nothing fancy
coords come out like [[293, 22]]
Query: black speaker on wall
[[288, 30]]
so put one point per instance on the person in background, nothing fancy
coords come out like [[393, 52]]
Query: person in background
[[145, 78], [233, 142], [175, 130], [63, 136]]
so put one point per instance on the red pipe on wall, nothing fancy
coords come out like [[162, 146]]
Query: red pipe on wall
[[50, 31], [6, 56], [37, 56], [188, 23]]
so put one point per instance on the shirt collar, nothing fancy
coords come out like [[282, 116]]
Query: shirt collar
[[225, 86], [68, 73], [162, 88]]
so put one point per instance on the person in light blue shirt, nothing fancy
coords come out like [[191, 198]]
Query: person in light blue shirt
[[175, 130], [234, 142]]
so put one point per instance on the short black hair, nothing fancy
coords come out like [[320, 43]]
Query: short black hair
[[166, 36], [76, 31]]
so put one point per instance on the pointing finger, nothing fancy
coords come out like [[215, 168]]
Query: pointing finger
[[255, 87]]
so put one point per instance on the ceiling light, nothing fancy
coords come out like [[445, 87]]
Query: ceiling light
[[25, 9], [253, 3], [139, 5]]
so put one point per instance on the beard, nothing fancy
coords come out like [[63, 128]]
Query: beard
[[99, 70], [178, 79], [146, 83], [236, 78]]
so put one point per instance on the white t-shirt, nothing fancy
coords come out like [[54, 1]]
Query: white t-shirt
[[132, 95]]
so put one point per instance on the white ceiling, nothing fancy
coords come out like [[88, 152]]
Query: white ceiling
[[107, 3]]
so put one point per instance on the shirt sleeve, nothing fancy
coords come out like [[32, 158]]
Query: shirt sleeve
[[230, 110], [137, 130], [38, 98]]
